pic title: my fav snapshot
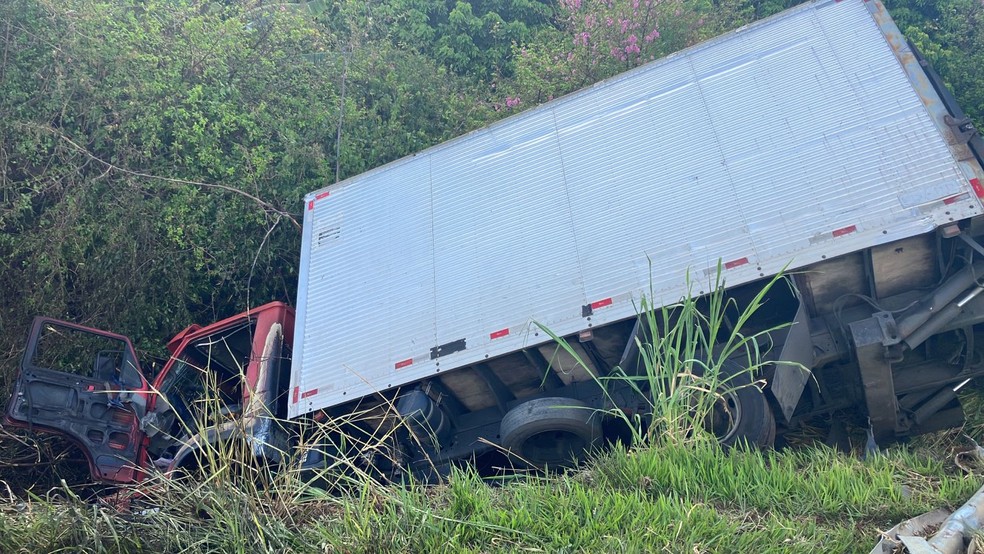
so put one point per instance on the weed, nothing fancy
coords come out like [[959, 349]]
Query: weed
[[697, 367]]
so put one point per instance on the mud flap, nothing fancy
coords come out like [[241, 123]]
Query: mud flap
[[792, 370]]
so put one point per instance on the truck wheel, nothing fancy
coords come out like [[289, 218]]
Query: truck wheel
[[551, 432], [741, 411]]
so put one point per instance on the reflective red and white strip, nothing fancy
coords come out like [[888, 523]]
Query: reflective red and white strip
[[298, 395], [317, 197], [736, 263]]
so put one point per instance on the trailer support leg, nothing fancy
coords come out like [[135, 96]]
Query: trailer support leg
[[876, 377]]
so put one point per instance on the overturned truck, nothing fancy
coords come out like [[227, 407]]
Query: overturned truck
[[817, 141]]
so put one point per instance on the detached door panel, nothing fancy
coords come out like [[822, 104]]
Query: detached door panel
[[85, 384]]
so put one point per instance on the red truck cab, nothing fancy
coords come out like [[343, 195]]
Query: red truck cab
[[225, 379]]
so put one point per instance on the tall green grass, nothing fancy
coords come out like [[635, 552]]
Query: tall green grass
[[688, 352], [678, 498]]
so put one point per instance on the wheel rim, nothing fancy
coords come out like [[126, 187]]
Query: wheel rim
[[554, 447], [724, 416]]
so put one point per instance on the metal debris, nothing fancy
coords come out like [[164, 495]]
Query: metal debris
[[954, 533]]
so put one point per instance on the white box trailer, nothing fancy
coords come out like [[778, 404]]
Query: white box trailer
[[801, 138]]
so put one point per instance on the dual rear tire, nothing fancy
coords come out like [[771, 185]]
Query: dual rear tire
[[551, 432], [741, 411], [559, 432]]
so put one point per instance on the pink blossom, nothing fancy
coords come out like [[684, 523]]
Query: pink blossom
[[618, 54], [625, 24], [652, 36], [589, 21], [512, 102]]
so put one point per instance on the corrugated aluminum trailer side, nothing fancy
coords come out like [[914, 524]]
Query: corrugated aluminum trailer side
[[803, 137]]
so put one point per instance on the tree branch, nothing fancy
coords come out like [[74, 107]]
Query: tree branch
[[6, 48], [170, 180], [249, 280]]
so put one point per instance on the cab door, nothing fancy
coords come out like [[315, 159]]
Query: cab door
[[85, 384]]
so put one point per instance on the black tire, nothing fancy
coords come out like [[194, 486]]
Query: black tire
[[551, 432], [742, 412]]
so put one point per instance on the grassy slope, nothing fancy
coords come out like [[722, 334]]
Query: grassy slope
[[683, 494], [673, 499]]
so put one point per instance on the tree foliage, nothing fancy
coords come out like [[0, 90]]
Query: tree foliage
[[154, 154], [102, 94], [950, 33], [472, 39]]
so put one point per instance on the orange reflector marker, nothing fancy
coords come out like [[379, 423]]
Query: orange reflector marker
[[404, 363], [498, 334], [297, 392], [845, 231], [309, 393], [950, 231]]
